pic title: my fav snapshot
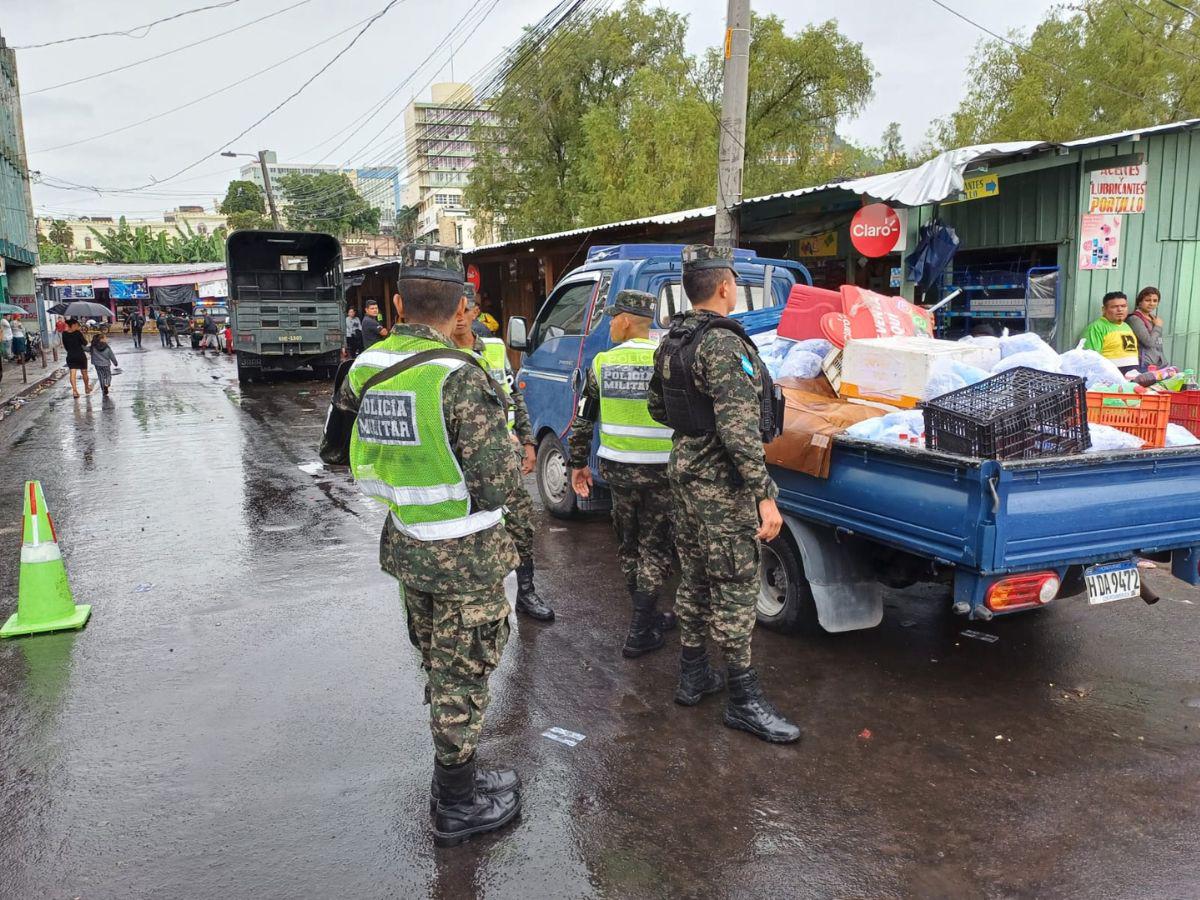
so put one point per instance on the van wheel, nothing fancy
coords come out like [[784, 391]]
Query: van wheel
[[785, 601], [554, 478]]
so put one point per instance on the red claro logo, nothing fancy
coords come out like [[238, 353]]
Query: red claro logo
[[875, 230]]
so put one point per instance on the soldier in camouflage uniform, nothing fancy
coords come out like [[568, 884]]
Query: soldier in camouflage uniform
[[641, 494], [707, 386], [431, 442], [519, 520]]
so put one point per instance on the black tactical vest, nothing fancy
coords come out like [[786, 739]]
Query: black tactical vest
[[689, 411]]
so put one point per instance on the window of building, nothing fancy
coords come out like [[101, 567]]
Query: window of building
[[87, 243]]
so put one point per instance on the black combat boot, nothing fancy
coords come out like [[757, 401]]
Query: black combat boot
[[667, 621], [750, 711], [697, 679], [644, 632], [528, 601], [462, 811], [487, 781]]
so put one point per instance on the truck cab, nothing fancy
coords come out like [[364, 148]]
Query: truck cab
[[570, 328]]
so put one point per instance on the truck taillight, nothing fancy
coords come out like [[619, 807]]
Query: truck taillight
[[245, 338], [1022, 591]]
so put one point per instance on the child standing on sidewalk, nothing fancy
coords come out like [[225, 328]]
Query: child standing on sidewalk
[[104, 360]]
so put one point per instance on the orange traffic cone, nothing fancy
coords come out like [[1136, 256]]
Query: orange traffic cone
[[44, 601]]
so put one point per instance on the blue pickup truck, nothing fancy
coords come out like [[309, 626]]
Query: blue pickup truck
[[570, 329], [1003, 536]]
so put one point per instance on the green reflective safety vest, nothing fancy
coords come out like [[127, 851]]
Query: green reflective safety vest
[[495, 357], [400, 451], [627, 433]]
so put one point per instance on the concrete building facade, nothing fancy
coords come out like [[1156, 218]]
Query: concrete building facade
[[197, 218], [18, 233], [441, 143]]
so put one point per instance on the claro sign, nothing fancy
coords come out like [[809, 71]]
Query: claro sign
[[875, 230]]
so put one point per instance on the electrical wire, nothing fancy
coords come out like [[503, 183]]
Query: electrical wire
[[145, 29], [207, 96], [1182, 8], [148, 59]]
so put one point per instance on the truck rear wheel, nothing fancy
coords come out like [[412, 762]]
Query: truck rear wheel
[[554, 478], [785, 601], [247, 374]]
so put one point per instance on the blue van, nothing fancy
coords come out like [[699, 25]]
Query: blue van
[[570, 329]]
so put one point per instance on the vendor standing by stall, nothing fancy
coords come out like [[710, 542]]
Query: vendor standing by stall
[[1111, 336]]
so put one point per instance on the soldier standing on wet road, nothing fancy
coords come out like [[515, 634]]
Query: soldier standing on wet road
[[633, 453], [430, 441], [519, 520], [709, 385]]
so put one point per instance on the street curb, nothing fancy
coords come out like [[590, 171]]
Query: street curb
[[6, 407]]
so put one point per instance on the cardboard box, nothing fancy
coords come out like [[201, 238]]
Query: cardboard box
[[895, 370]]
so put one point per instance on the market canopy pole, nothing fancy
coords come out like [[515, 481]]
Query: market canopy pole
[[734, 91]]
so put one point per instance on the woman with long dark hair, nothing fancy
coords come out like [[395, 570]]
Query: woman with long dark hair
[[75, 344], [1148, 327]]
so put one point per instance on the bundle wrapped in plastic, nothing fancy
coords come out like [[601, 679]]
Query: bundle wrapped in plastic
[[1091, 367], [981, 340], [889, 428], [1045, 359], [1010, 345], [819, 346], [1178, 436], [800, 364], [1106, 438], [794, 359], [949, 375]]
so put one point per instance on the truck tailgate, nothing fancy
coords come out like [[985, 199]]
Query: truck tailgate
[[1004, 516]]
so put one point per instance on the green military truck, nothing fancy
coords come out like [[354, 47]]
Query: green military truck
[[286, 302]]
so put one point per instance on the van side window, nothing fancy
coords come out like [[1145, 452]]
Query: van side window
[[601, 301], [563, 313], [672, 299]]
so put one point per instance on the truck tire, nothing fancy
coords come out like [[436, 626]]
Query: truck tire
[[785, 601], [247, 374], [554, 478]]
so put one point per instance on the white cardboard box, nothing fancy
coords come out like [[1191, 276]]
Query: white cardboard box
[[895, 369]]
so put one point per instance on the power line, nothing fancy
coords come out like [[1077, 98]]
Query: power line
[[147, 59], [1182, 8], [144, 29], [207, 96]]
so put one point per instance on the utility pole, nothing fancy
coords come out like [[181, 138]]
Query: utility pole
[[262, 162], [734, 91]]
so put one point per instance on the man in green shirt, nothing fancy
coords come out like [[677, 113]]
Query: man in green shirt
[[1111, 336]]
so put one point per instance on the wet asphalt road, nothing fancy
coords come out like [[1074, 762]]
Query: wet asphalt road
[[242, 717]]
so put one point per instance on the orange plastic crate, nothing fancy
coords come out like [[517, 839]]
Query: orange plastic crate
[[1185, 410], [1142, 415]]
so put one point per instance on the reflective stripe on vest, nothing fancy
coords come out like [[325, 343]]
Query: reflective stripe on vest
[[627, 433], [400, 451], [495, 357]]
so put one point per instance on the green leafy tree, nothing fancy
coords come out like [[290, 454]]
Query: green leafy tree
[[1091, 67], [61, 234], [125, 244], [406, 223], [244, 206], [620, 122], [51, 252], [326, 202], [891, 152]]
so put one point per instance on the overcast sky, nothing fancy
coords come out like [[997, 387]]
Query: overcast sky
[[919, 52]]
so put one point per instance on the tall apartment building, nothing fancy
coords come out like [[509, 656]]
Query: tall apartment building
[[379, 185], [440, 145], [18, 233]]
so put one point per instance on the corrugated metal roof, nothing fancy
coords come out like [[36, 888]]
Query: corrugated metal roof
[[662, 219], [1181, 125], [359, 263], [83, 271]]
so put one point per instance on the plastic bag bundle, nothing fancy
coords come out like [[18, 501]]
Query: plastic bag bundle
[[1178, 436], [887, 429], [1091, 367], [1105, 438], [949, 375], [819, 346], [1046, 360], [980, 340], [800, 364], [1010, 345]]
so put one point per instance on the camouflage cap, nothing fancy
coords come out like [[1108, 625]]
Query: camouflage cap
[[432, 261], [702, 256], [636, 303], [469, 292]]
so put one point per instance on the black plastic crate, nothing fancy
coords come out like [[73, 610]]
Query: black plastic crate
[[1019, 414]]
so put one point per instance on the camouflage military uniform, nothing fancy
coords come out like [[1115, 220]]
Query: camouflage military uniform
[[453, 589], [519, 520], [641, 505], [717, 481]]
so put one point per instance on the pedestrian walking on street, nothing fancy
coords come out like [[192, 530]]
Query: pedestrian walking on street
[[519, 520], [6, 335], [75, 345], [136, 323], [433, 445], [354, 333], [634, 450], [164, 328], [104, 360], [372, 329], [708, 386], [210, 339]]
